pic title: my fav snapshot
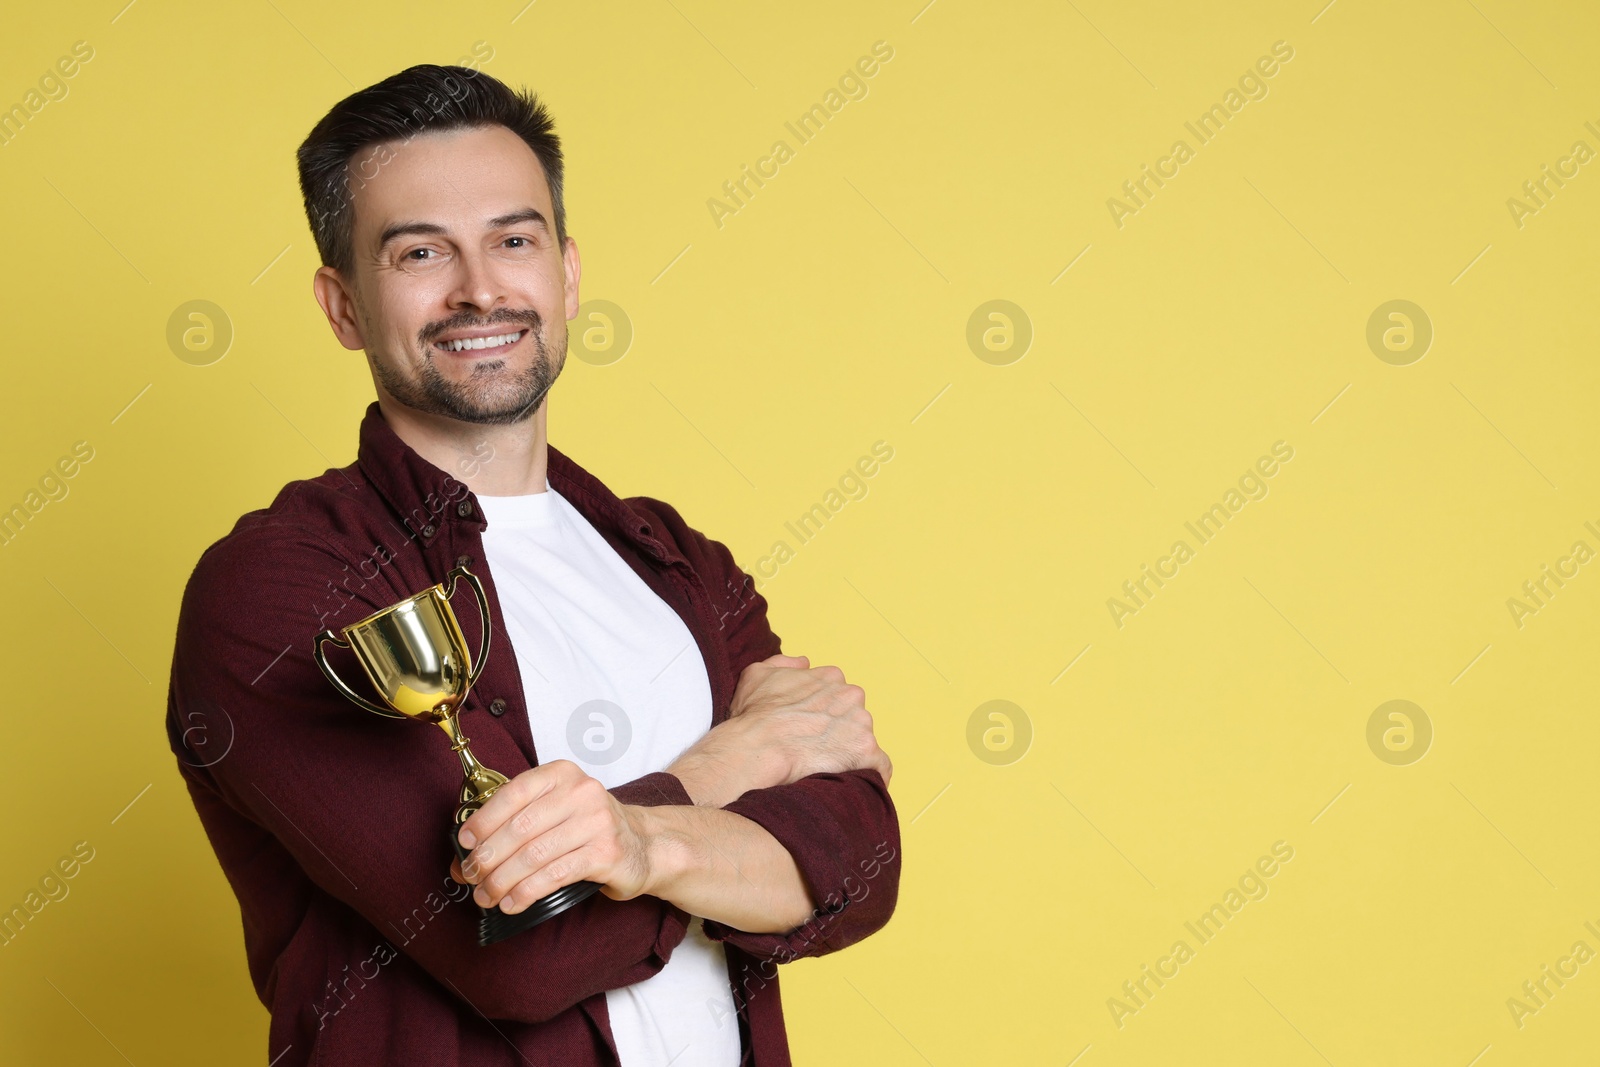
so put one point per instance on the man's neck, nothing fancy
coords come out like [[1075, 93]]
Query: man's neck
[[508, 460]]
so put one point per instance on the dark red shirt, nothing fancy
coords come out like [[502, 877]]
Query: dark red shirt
[[331, 823]]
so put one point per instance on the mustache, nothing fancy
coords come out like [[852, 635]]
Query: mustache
[[504, 317]]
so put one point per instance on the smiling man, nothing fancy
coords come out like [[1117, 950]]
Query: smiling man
[[731, 801]]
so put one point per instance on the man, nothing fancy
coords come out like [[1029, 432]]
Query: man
[[732, 801]]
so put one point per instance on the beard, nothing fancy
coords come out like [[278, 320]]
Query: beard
[[492, 394]]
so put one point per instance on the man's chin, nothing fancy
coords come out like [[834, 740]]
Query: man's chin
[[492, 409], [492, 392], [478, 406]]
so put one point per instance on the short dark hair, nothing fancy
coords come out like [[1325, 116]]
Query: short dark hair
[[420, 98]]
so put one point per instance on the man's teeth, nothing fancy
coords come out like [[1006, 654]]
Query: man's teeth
[[480, 342]]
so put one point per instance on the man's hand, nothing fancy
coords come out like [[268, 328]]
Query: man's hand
[[787, 720], [551, 826], [554, 825]]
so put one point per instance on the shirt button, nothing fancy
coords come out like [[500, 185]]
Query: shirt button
[[429, 530], [463, 561], [464, 509], [497, 706]]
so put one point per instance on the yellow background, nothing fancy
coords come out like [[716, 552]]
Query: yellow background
[[824, 316]]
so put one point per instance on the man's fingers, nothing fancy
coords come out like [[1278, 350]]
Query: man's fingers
[[752, 680], [563, 870], [511, 798], [506, 844], [550, 808], [530, 861]]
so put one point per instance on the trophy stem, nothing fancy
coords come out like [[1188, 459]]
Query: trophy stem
[[478, 782], [479, 785]]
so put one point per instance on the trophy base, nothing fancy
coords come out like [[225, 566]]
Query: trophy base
[[495, 925]]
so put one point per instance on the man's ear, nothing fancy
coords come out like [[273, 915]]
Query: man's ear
[[573, 268], [338, 303]]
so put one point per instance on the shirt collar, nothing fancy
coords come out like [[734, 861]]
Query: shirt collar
[[407, 482]]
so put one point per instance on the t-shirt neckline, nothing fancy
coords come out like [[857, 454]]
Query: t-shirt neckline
[[522, 511]]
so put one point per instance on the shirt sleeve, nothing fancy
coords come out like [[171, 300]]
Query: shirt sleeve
[[841, 829], [363, 804], [844, 836]]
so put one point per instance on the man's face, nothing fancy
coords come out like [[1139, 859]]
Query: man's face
[[461, 295]]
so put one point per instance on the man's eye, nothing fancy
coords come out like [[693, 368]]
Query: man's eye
[[524, 240], [417, 251]]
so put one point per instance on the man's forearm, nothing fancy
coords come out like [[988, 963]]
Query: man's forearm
[[722, 866], [715, 774]]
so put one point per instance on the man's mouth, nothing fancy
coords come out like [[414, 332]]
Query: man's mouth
[[492, 343]]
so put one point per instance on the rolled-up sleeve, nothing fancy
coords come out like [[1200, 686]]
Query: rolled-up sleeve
[[844, 836]]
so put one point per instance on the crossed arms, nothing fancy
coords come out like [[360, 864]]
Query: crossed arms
[[553, 825], [776, 827]]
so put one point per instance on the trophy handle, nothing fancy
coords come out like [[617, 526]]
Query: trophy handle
[[338, 682], [483, 613]]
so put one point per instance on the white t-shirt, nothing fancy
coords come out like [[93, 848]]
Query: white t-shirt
[[614, 682]]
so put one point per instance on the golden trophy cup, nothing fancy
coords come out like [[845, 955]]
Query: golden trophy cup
[[416, 658]]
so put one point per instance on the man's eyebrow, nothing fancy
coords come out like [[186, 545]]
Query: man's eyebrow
[[526, 214], [433, 229]]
